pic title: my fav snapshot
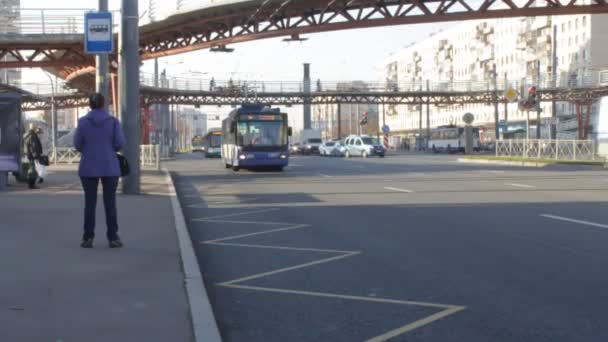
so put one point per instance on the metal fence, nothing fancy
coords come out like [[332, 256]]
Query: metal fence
[[252, 87], [149, 156], [46, 21], [572, 150]]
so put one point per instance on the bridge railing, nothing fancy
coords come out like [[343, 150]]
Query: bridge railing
[[149, 156], [569, 150], [46, 21], [251, 87]]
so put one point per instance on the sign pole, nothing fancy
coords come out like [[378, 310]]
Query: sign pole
[[101, 60]]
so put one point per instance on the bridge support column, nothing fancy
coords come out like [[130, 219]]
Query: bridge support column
[[129, 92], [307, 104]]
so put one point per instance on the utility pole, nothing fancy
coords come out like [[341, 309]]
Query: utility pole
[[554, 83], [538, 106], [339, 121], [307, 109], [428, 115], [129, 91], [496, 114], [101, 60]]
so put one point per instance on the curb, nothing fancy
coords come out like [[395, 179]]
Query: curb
[[501, 162], [203, 322]]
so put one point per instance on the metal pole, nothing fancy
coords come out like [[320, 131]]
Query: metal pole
[[538, 109], [496, 114], [554, 83], [307, 111], [339, 121], [428, 115], [101, 60], [53, 114], [129, 91], [420, 124]]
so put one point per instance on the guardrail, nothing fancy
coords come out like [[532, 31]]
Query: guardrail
[[569, 150], [149, 156], [546, 82], [46, 21]]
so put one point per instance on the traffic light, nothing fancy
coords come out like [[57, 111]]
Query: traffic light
[[364, 119], [532, 98]]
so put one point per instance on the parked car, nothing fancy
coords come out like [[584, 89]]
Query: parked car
[[363, 146]]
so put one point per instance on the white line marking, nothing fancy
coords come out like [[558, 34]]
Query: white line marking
[[415, 325], [341, 296], [586, 223], [237, 214], [258, 233], [203, 322], [287, 269], [517, 185], [398, 189], [246, 222], [326, 176], [287, 248]]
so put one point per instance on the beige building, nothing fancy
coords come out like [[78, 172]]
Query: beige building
[[338, 121], [522, 50]]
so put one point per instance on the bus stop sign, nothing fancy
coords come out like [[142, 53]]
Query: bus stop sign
[[98, 36]]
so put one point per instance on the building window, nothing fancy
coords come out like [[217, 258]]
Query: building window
[[576, 40], [563, 27], [584, 21], [576, 24], [569, 41], [584, 37], [575, 57], [584, 54]]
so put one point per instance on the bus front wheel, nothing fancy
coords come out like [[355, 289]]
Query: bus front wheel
[[235, 168]]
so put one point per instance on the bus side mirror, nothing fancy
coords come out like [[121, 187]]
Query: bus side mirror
[[231, 128], [289, 131]]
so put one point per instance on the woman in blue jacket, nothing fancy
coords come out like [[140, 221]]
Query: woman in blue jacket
[[98, 138]]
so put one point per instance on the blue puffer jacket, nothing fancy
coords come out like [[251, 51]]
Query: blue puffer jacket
[[98, 138]]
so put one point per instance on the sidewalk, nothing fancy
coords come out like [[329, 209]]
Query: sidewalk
[[52, 290]]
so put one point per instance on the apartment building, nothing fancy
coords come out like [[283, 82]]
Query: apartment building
[[540, 51]]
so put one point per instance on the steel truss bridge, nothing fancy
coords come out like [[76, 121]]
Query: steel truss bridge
[[151, 96], [218, 25]]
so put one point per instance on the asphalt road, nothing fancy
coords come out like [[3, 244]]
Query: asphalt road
[[405, 248]]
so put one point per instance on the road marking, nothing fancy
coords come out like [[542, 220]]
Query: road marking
[[236, 214], [447, 309], [415, 325], [287, 269], [326, 176], [287, 248], [517, 185], [398, 189], [258, 233], [341, 296], [586, 223]]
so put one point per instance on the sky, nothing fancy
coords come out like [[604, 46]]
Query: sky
[[334, 56]]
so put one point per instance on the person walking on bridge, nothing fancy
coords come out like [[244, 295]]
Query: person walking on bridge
[[98, 138]]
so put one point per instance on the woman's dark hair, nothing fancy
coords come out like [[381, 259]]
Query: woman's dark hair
[[97, 101]]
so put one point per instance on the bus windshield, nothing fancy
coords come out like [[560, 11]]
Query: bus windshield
[[215, 140], [198, 141], [261, 133]]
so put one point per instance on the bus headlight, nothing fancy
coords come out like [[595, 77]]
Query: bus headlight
[[242, 157], [283, 156]]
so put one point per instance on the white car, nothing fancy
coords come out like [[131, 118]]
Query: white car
[[332, 148]]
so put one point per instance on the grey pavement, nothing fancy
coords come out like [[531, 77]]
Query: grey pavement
[[52, 290], [405, 248]]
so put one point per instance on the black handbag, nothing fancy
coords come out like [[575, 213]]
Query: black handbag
[[44, 160], [125, 169], [124, 165]]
